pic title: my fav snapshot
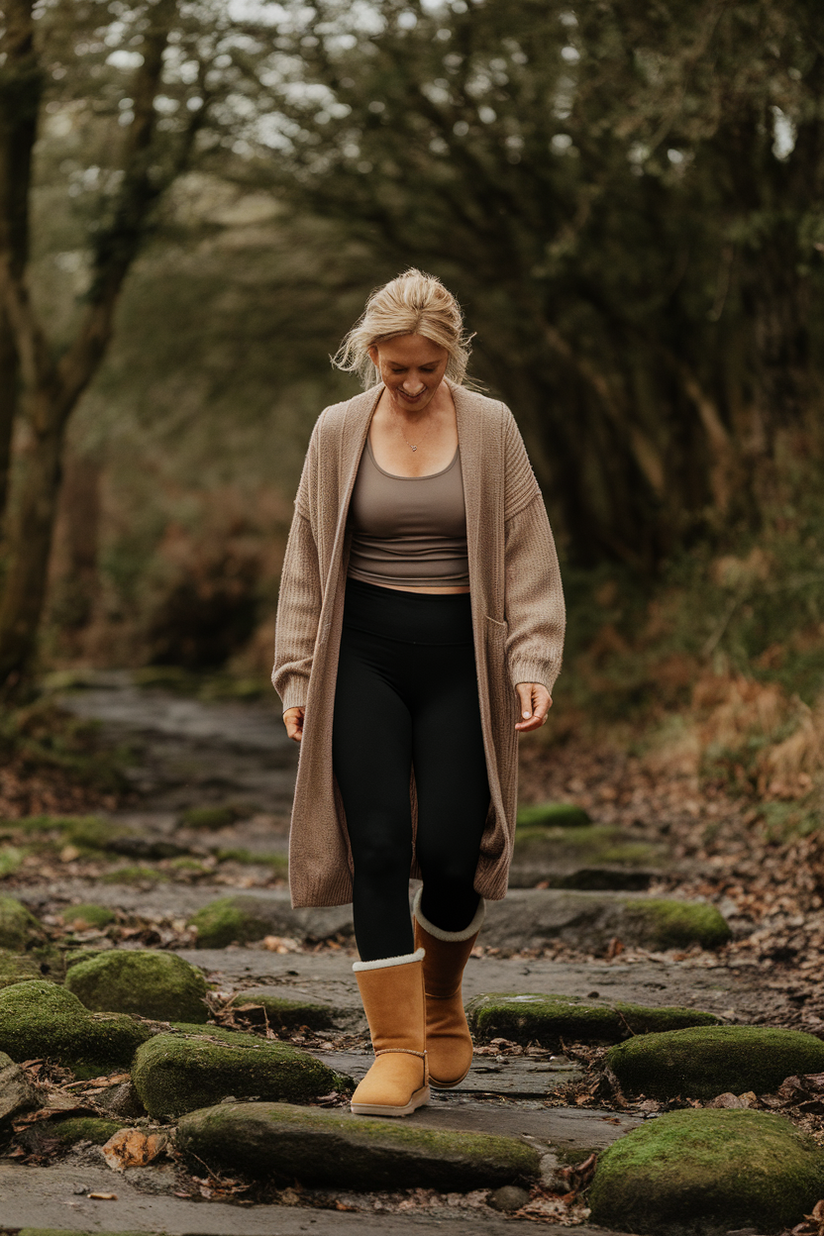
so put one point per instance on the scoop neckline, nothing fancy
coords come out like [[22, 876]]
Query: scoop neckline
[[429, 476]]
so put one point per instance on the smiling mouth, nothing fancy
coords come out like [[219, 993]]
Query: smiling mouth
[[412, 398]]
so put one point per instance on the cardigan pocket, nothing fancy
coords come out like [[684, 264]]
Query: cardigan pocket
[[498, 630]]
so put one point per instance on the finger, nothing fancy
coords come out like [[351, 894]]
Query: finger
[[524, 690]]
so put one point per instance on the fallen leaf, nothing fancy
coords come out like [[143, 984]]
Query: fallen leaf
[[103, 1197], [132, 1148]]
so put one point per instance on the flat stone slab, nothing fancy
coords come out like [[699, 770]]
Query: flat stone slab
[[514, 1077], [526, 918], [735, 992], [56, 1198], [551, 1020], [585, 857], [320, 1147]]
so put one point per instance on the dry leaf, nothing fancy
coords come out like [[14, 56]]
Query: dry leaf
[[103, 1197], [281, 944], [132, 1148]]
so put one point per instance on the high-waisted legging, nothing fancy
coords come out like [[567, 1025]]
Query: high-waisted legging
[[407, 696]]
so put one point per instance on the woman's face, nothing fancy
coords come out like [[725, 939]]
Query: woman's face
[[412, 368]]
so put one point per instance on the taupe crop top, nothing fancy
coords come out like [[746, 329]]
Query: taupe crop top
[[408, 529]]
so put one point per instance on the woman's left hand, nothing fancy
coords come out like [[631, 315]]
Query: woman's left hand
[[534, 703]]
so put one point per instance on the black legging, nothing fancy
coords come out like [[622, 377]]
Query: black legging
[[407, 694]]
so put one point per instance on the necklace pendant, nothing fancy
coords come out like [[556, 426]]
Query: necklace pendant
[[414, 448]]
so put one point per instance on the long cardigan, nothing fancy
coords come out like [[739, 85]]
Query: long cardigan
[[517, 619]]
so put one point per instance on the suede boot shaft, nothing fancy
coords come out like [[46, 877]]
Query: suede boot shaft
[[392, 992], [448, 1041]]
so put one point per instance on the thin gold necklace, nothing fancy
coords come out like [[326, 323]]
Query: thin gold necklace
[[406, 440]]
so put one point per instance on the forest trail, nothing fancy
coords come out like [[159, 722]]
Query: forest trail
[[193, 756]]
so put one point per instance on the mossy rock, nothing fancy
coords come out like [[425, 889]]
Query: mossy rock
[[552, 1020], [18, 968], [319, 1147], [151, 984], [208, 818], [704, 1062], [20, 931], [279, 863], [75, 1129], [137, 874], [41, 1019], [588, 857], [282, 1012], [176, 1073], [663, 922], [552, 815], [224, 922], [11, 860], [86, 916], [707, 1172]]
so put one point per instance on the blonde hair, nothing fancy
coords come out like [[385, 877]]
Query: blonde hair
[[412, 304]]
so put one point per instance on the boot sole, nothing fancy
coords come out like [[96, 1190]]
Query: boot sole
[[419, 1098]]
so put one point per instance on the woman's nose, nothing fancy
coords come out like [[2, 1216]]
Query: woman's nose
[[413, 386]]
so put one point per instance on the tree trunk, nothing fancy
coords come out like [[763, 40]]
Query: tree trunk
[[9, 372], [32, 526]]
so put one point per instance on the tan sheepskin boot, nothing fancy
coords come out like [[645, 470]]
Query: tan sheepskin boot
[[448, 1041], [392, 993]]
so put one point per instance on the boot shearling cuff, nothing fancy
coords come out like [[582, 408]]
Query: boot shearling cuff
[[453, 937], [382, 962]]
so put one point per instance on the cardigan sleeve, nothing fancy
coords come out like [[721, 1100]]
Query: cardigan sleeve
[[534, 604], [299, 599]]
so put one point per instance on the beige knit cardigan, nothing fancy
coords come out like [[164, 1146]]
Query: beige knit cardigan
[[517, 620]]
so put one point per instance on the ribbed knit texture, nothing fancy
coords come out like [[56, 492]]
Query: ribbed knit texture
[[517, 617]]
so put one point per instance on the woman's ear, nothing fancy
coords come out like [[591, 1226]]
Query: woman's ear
[[373, 356]]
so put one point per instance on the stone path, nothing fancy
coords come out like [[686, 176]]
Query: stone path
[[199, 754]]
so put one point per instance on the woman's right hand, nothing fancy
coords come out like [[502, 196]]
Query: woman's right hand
[[293, 720]]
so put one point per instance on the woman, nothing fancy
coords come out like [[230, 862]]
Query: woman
[[420, 612]]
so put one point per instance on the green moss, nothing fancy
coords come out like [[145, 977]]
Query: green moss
[[84, 1129], [708, 1171], [278, 862], [704, 1062], [282, 1012], [327, 1148], [208, 817], [134, 875], [11, 860], [91, 834], [176, 1073], [18, 968], [88, 914], [142, 981], [19, 929], [54, 1231], [552, 815], [662, 923], [223, 922], [187, 864], [39, 1018], [551, 1020]]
